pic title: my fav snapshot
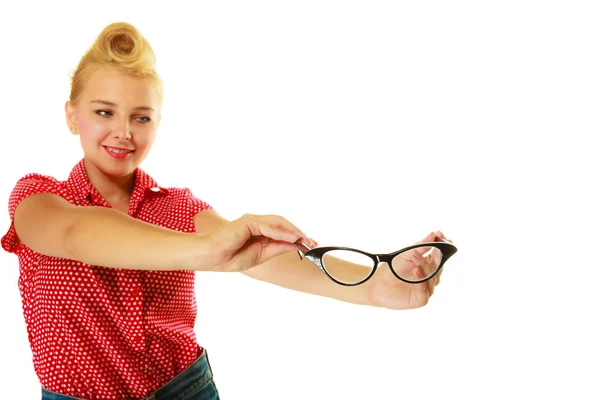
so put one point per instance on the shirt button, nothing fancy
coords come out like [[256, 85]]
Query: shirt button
[[155, 189]]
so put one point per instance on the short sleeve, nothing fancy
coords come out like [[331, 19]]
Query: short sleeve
[[26, 186], [196, 205]]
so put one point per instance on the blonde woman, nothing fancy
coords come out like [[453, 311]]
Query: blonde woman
[[107, 257]]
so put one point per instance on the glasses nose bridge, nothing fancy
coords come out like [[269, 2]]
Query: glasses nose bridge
[[379, 259], [383, 259]]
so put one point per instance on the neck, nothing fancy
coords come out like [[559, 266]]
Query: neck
[[111, 188]]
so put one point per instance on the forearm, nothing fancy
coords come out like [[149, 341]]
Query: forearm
[[287, 270], [107, 237]]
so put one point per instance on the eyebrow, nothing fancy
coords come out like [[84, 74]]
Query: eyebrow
[[108, 103]]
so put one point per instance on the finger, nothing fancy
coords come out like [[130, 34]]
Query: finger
[[439, 235], [282, 224], [437, 256], [257, 251], [248, 230], [427, 264], [428, 285], [419, 295], [431, 284], [422, 250], [269, 227], [418, 266], [433, 252], [417, 258], [273, 249], [403, 265], [264, 241], [429, 238], [438, 276]]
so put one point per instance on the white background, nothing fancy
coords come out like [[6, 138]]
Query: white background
[[367, 124]]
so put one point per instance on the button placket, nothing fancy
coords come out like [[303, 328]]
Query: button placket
[[132, 308]]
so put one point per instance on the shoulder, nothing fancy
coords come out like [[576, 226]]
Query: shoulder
[[184, 197], [34, 179], [34, 183], [27, 185], [205, 218], [180, 197]]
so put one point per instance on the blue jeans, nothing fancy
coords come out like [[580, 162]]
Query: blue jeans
[[193, 383]]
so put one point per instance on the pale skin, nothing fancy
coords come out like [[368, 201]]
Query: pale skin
[[121, 111]]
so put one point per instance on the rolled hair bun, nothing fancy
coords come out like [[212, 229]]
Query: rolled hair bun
[[122, 47], [122, 44]]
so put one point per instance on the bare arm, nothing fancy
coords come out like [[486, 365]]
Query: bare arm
[[50, 225], [287, 270]]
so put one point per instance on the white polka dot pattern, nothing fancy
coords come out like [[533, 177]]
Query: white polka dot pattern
[[99, 332]]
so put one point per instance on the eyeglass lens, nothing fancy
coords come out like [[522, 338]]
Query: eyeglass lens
[[412, 265], [417, 264]]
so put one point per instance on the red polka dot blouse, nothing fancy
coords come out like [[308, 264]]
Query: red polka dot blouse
[[107, 333]]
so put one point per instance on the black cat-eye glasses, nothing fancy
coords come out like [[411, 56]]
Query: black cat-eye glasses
[[412, 264]]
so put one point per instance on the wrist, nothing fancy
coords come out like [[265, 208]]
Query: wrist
[[199, 256], [369, 296]]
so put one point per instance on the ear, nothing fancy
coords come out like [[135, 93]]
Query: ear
[[70, 116]]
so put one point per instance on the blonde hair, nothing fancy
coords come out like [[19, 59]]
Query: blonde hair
[[119, 46]]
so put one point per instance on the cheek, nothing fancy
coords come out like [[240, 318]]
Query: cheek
[[88, 129], [145, 138]]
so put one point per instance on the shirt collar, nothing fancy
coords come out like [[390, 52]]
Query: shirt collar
[[81, 186]]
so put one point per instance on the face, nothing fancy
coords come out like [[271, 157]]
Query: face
[[116, 118]]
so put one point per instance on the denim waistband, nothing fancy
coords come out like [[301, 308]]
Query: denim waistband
[[187, 381]]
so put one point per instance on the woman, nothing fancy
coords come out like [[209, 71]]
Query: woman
[[107, 257]]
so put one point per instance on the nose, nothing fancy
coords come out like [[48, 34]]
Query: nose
[[122, 130]]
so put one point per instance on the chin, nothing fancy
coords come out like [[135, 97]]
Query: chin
[[114, 167]]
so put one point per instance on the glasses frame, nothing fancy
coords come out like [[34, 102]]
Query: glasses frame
[[316, 254]]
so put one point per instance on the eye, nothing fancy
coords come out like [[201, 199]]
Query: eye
[[99, 112], [144, 120]]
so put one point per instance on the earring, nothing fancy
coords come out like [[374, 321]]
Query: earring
[[74, 131]]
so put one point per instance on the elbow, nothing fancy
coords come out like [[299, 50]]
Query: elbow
[[69, 247], [69, 237]]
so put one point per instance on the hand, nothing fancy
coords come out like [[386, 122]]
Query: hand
[[385, 290], [251, 240]]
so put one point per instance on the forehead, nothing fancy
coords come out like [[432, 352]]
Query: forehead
[[120, 88]]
